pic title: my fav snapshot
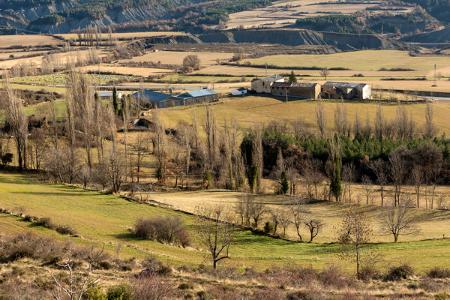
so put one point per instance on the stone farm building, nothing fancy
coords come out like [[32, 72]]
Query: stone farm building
[[346, 91], [301, 90], [263, 85]]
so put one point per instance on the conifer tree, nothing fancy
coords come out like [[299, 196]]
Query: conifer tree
[[292, 78]]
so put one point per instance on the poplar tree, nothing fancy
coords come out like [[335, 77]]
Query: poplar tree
[[335, 164]]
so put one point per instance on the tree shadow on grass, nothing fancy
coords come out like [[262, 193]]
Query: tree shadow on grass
[[129, 236], [60, 194], [14, 179]]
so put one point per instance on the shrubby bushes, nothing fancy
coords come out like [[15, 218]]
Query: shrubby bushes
[[51, 252], [438, 272], [399, 272], [168, 230]]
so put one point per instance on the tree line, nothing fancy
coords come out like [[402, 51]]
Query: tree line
[[326, 160]]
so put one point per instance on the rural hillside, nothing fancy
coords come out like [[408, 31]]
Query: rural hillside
[[397, 18], [70, 15]]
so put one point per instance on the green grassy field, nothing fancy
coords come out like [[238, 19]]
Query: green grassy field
[[59, 79], [105, 220]]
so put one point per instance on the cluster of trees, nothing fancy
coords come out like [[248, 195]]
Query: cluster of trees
[[393, 153], [217, 227], [251, 213], [356, 232], [169, 230], [55, 62], [327, 163]]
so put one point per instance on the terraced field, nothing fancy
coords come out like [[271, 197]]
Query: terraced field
[[283, 12]]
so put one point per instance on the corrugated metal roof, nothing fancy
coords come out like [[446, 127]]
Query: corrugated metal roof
[[269, 78], [298, 84], [197, 93], [344, 84], [151, 95], [103, 94]]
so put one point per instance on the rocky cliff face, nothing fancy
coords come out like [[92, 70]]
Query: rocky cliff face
[[53, 16], [299, 37]]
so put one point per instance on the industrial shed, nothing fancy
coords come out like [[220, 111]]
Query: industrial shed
[[152, 98], [346, 91], [193, 97], [301, 90]]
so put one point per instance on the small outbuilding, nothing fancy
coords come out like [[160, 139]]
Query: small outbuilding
[[263, 85], [107, 95], [346, 91], [239, 92], [300, 90]]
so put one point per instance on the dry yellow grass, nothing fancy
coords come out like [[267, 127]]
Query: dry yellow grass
[[176, 57], [366, 60], [248, 70], [28, 41], [253, 110], [19, 54], [287, 12], [433, 225], [127, 35], [57, 58], [125, 70]]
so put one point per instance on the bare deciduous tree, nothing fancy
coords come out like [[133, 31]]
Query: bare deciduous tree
[[17, 121], [298, 218], [354, 234], [215, 233], [160, 145], [314, 226], [379, 123], [417, 180], [320, 118], [379, 168], [284, 219], [81, 111], [250, 211], [313, 177], [348, 176], [399, 220], [367, 188], [191, 63], [397, 173], [430, 129], [340, 119], [325, 73]]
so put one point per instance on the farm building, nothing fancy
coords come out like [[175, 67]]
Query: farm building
[[152, 98], [107, 95], [346, 90], [301, 90], [239, 92], [263, 85], [193, 97]]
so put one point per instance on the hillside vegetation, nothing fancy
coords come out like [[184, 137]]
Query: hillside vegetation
[[105, 220], [67, 15]]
